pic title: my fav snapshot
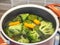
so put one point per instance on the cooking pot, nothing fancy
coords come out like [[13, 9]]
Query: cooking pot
[[32, 9]]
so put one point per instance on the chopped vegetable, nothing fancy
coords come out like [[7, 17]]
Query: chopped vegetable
[[23, 40], [46, 28], [32, 17], [28, 21], [40, 18], [36, 21], [33, 36], [24, 16], [29, 25], [14, 23], [18, 18], [15, 30]]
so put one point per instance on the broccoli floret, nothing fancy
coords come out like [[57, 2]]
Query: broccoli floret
[[18, 18], [24, 16], [26, 30], [28, 21], [41, 35], [39, 18], [32, 17], [49, 32], [9, 34], [15, 30], [33, 36], [36, 27], [6, 30], [23, 40], [46, 28]]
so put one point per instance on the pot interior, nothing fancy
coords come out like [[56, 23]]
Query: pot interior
[[32, 10]]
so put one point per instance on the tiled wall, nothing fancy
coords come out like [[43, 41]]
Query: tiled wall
[[6, 4]]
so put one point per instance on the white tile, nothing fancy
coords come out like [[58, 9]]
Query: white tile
[[5, 1]]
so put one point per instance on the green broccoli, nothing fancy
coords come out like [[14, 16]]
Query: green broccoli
[[15, 30], [9, 34], [33, 36], [32, 17], [40, 18], [36, 27], [23, 40], [26, 30], [46, 28], [28, 21], [6, 30], [18, 18], [24, 16]]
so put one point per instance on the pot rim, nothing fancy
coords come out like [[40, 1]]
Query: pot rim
[[30, 5]]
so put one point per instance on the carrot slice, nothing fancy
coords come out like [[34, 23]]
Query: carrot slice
[[29, 25], [36, 21], [14, 23]]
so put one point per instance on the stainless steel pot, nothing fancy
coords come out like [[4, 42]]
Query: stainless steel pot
[[30, 8]]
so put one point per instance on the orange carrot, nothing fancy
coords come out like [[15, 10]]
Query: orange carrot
[[29, 25], [36, 21], [14, 23]]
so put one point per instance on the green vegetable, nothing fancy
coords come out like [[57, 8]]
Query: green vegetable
[[32, 17], [8, 32], [33, 36], [26, 30], [46, 28], [15, 30], [23, 40], [28, 21], [40, 18], [24, 16], [36, 27], [41, 34], [18, 18]]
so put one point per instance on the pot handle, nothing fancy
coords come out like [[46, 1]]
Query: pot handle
[[54, 8], [3, 41], [4, 44]]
